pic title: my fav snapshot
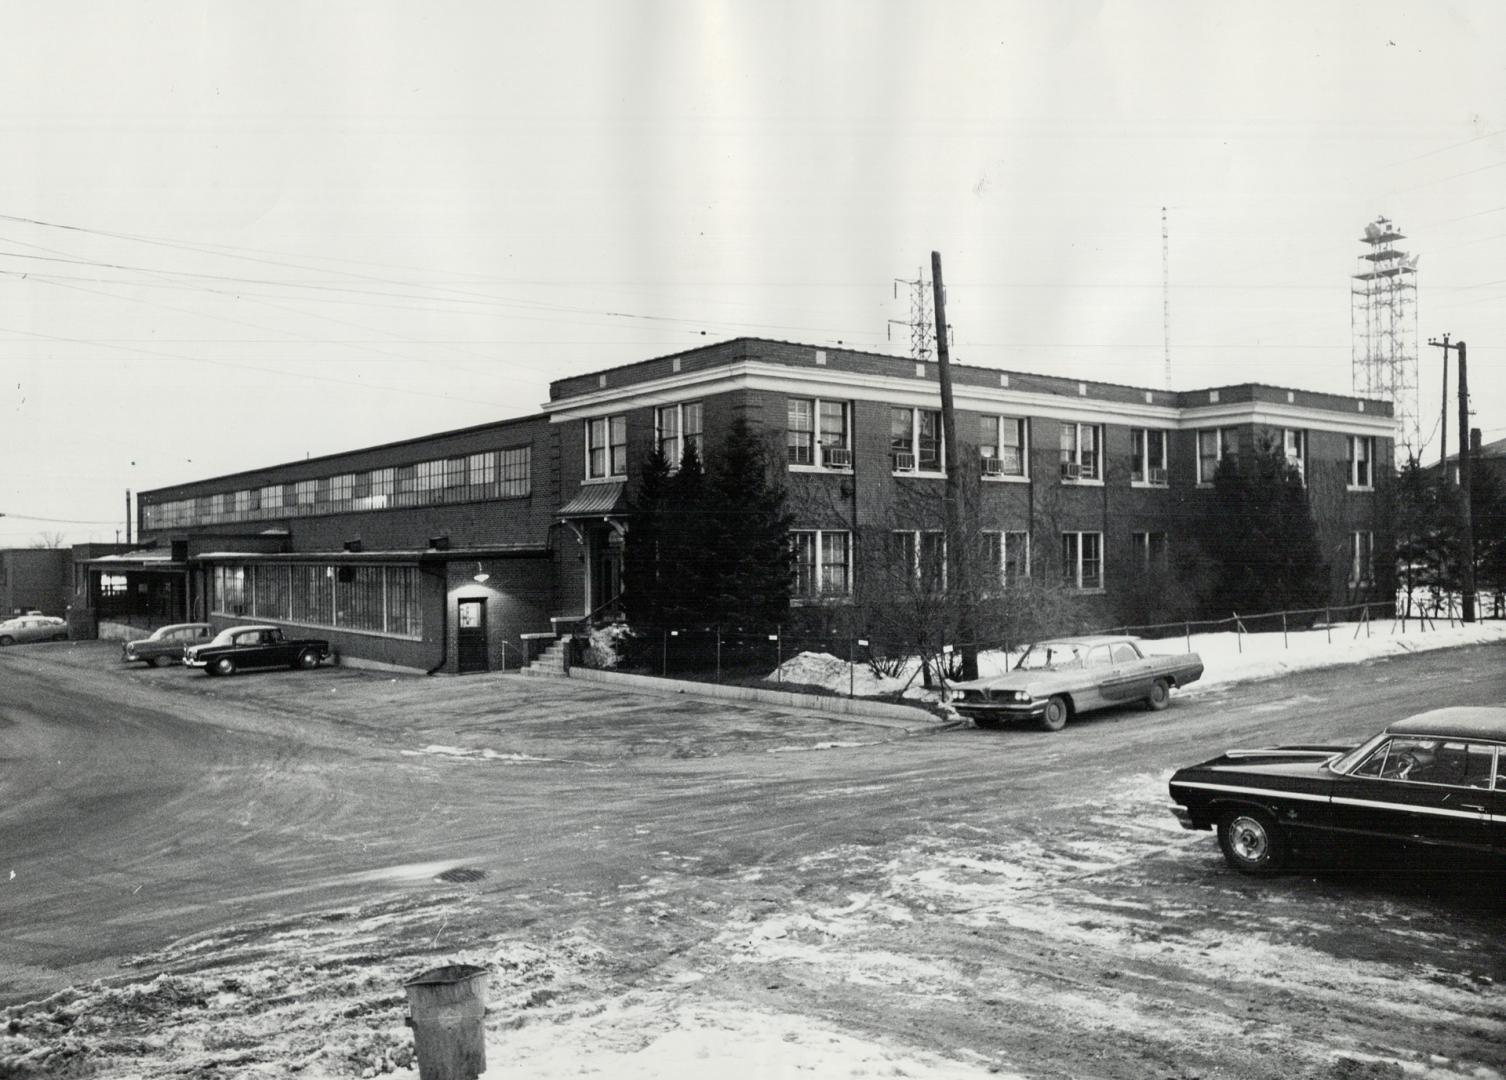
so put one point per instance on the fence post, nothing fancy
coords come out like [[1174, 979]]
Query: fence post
[[851, 678], [1239, 634], [1187, 630], [1285, 644], [779, 652], [1367, 620], [1328, 625], [718, 652], [664, 653]]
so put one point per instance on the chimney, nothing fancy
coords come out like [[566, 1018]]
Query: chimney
[[1474, 442]]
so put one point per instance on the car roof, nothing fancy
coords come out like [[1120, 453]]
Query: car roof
[[1461, 721], [179, 626], [1086, 639], [247, 626]]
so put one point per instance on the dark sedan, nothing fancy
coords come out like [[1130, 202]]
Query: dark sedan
[[255, 647], [1436, 779]]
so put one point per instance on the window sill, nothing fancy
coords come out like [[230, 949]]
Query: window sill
[[1096, 590], [1069, 482], [920, 474], [1358, 487], [604, 479], [1146, 485], [1007, 479], [839, 599], [829, 470]]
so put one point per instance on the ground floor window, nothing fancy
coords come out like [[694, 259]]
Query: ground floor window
[[1007, 556], [1151, 548], [823, 563], [372, 599], [1082, 560]]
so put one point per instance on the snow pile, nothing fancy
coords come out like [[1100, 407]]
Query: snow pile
[[1228, 657], [604, 648]]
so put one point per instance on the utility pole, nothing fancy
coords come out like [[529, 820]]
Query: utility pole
[[128, 516], [1466, 515], [957, 547]]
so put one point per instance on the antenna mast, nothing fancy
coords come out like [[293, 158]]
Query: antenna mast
[[1383, 314], [920, 322]]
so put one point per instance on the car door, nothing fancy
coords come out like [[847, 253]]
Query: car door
[[1418, 788], [1098, 671], [1129, 678]]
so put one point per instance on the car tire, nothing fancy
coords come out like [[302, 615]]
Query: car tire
[[308, 659], [6, 639], [160, 661], [1252, 842], [1056, 714], [59, 637], [223, 666], [1160, 695]]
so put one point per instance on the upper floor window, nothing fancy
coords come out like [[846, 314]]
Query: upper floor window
[[606, 447], [1148, 456], [915, 439], [1003, 445], [1213, 446], [1294, 448], [818, 432], [1361, 461], [1082, 560], [676, 429], [1081, 446]]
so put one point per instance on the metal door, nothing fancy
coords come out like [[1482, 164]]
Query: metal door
[[471, 640]]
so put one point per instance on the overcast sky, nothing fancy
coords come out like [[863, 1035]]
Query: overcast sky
[[237, 233]]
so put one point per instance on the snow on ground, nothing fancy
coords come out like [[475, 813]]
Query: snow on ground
[[1227, 657]]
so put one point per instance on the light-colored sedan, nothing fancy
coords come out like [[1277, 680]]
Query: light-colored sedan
[[166, 644], [33, 628], [1055, 680]]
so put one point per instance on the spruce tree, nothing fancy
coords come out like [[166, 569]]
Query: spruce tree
[[642, 588], [748, 547], [682, 562]]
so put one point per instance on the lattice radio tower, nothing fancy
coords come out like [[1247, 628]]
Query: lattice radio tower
[[921, 322], [1383, 328]]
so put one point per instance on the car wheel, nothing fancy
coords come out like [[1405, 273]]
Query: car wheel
[[59, 637], [224, 666], [6, 639], [161, 661], [1055, 716], [1160, 695], [1252, 842], [308, 659]]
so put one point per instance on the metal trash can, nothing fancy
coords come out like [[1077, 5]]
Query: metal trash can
[[445, 1009]]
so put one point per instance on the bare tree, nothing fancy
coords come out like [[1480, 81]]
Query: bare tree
[[50, 540]]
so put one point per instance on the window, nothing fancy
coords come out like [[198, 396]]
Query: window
[[303, 493], [920, 556], [915, 439], [341, 489], [1080, 445], [271, 499], [1152, 549], [823, 563], [1213, 446], [1430, 760], [817, 433], [112, 584], [1082, 560], [606, 447], [1294, 447], [242, 504], [1007, 555], [1148, 456], [800, 431], [676, 429], [515, 472], [371, 599], [1361, 461], [1361, 558], [1002, 445]]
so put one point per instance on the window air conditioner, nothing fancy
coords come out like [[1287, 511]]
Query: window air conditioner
[[835, 457], [1158, 476], [904, 462], [1071, 470], [992, 466]]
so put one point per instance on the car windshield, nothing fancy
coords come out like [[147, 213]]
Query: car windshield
[[1344, 762], [224, 637], [1051, 656]]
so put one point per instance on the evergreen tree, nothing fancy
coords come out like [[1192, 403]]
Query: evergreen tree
[[748, 546], [642, 591], [1259, 530], [682, 558]]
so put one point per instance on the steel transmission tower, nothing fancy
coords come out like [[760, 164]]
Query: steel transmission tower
[[920, 322], [1383, 328]]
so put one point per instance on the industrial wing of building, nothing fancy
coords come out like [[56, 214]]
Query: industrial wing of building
[[441, 553]]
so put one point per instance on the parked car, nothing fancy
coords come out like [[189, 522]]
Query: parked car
[[1436, 779], [252, 647], [33, 628], [1055, 680], [165, 645]]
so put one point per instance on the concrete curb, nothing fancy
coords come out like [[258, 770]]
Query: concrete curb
[[856, 710]]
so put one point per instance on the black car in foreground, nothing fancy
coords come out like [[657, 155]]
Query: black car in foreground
[[254, 647], [1436, 779]]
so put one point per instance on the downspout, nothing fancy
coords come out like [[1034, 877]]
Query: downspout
[[444, 624]]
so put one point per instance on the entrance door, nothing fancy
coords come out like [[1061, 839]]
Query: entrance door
[[471, 643]]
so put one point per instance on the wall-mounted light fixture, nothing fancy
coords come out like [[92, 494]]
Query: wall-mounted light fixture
[[353, 545], [480, 575]]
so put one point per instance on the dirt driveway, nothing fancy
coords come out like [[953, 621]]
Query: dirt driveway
[[669, 888]]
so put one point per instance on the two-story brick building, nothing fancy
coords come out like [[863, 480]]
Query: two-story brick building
[[440, 552]]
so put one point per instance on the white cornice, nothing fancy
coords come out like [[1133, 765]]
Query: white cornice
[[898, 390]]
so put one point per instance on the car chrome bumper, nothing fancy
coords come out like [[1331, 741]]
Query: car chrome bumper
[[998, 710], [1184, 818], [195, 663]]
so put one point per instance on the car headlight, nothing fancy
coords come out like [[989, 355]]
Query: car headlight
[[1021, 695]]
